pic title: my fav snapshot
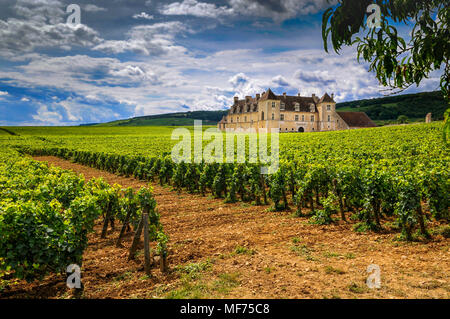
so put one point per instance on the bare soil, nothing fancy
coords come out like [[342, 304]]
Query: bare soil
[[243, 251]]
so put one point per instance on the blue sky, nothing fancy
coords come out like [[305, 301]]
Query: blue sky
[[139, 57]]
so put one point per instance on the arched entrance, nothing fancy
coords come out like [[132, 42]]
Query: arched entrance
[[301, 130]]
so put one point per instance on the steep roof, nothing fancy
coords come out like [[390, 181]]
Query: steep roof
[[250, 104], [304, 102], [356, 119], [269, 95], [327, 99]]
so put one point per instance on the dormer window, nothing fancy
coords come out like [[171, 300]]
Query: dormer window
[[297, 107], [282, 106], [312, 109]]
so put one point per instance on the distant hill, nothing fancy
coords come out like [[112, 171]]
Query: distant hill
[[414, 106], [172, 119], [381, 110]]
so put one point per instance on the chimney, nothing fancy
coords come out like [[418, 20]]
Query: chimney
[[236, 99], [313, 95], [258, 96], [298, 92], [247, 98], [284, 94], [332, 96]]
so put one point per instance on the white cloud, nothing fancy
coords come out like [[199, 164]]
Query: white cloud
[[195, 8], [93, 8], [154, 39], [143, 15], [41, 24], [2, 93], [278, 10], [44, 116], [24, 99]]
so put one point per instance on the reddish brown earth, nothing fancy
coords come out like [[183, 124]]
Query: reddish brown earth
[[285, 257]]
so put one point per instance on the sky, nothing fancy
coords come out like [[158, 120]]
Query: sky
[[132, 58]]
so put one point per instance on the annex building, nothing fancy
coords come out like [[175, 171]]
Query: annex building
[[291, 114]]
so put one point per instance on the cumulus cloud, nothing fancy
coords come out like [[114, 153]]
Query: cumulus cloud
[[321, 78], [278, 10], [40, 24], [3, 93], [93, 8], [280, 81], [196, 8], [154, 39], [143, 15]]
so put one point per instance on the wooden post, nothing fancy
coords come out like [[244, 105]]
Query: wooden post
[[163, 263], [106, 222], [263, 188], [124, 228], [136, 239], [147, 264]]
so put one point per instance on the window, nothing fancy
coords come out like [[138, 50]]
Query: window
[[312, 118], [245, 119], [273, 104], [282, 117], [329, 118], [237, 119], [328, 107], [282, 106], [303, 118], [273, 116], [262, 116], [296, 117], [297, 107], [231, 120]]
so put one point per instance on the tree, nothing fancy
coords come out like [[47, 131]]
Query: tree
[[398, 63], [402, 119]]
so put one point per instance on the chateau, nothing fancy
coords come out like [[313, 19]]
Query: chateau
[[291, 114]]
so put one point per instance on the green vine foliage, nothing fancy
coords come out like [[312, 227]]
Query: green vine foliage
[[398, 62]]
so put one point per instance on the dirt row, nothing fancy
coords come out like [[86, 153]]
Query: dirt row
[[243, 251]]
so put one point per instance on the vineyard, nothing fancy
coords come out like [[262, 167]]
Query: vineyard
[[382, 180]]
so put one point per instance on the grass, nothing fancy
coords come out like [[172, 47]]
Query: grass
[[303, 250], [123, 277], [357, 289], [202, 289], [332, 270], [350, 256], [240, 250], [193, 270], [330, 254]]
